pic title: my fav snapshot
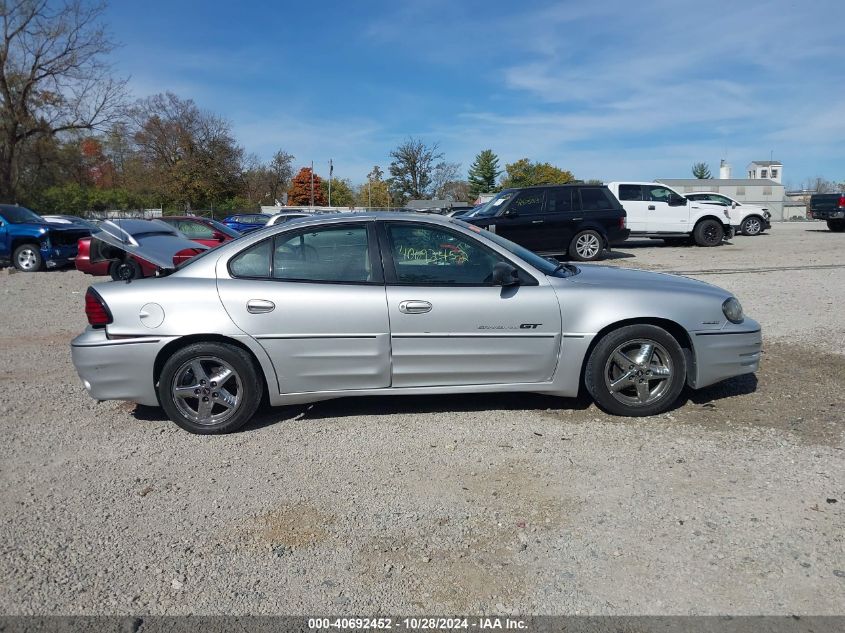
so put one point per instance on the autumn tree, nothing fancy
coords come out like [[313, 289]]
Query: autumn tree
[[483, 173], [701, 171], [300, 191], [524, 173], [412, 168], [53, 77]]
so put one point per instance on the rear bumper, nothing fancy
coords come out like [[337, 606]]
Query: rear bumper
[[722, 354], [120, 369], [827, 215], [618, 236]]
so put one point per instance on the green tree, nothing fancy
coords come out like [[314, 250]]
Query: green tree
[[483, 174], [374, 193], [524, 173], [412, 169], [342, 193], [701, 171]]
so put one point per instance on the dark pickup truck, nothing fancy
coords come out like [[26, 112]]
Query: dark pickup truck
[[830, 207]]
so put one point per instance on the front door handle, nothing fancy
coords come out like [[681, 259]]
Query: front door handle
[[259, 306], [651, 207], [414, 307], [537, 221]]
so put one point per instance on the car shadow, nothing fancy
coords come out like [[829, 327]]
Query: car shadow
[[736, 386]]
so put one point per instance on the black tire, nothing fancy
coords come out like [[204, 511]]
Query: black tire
[[708, 232], [126, 270], [602, 371], [837, 226], [27, 258], [243, 386], [586, 246], [751, 226]]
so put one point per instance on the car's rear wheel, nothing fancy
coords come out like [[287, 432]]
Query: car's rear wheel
[[837, 226], [27, 258], [637, 370], [126, 270], [586, 246], [210, 388], [752, 225], [708, 232]]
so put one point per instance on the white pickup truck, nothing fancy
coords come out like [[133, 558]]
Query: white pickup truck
[[658, 211]]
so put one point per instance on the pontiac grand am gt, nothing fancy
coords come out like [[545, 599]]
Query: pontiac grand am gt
[[375, 304]]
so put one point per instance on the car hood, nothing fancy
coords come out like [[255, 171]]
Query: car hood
[[150, 240], [633, 279]]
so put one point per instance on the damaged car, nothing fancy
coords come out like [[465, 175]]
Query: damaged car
[[30, 243]]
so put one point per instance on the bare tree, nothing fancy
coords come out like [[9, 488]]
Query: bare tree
[[53, 78], [412, 167], [281, 167], [442, 174]]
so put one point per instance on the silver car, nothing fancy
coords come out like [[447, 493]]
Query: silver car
[[377, 304]]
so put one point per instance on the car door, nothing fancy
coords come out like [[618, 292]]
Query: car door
[[449, 325], [5, 252], [561, 219], [664, 216], [636, 206], [522, 219], [314, 299]]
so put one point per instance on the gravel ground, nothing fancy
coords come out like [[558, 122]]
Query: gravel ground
[[731, 503]]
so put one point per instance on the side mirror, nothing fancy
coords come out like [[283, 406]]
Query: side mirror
[[733, 206], [677, 201], [510, 213], [219, 236], [505, 275]]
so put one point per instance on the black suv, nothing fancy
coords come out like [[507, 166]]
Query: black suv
[[578, 220]]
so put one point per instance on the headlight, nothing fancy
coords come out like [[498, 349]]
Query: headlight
[[733, 310]]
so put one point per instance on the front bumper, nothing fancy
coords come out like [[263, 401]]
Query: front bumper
[[729, 231], [725, 353], [55, 256], [117, 369]]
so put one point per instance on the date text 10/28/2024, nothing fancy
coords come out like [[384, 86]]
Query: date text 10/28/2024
[[419, 623]]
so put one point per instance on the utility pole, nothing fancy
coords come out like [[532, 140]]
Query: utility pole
[[312, 183], [331, 171]]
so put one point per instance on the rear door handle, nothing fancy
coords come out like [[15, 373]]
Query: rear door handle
[[259, 306], [577, 219], [537, 221], [412, 306], [651, 207]]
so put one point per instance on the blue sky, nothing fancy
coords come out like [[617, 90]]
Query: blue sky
[[610, 89]]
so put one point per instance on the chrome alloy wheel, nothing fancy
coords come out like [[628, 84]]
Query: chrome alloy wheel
[[206, 390], [27, 259], [752, 226], [638, 372], [587, 246]]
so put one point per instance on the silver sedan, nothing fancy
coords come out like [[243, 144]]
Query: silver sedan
[[378, 304]]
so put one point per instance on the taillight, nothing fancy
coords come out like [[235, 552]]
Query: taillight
[[185, 254], [96, 309], [623, 222], [842, 202]]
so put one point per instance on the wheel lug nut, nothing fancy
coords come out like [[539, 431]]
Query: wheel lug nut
[[205, 399], [202, 382], [215, 394], [197, 391], [213, 384]]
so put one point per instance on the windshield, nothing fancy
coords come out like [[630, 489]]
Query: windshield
[[546, 266], [491, 207], [20, 215]]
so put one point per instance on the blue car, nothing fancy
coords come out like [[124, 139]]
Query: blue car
[[31, 243], [246, 222]]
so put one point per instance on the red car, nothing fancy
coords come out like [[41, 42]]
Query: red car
[[202, 230]]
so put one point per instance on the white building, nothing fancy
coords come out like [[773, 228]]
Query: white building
[[766, 169]]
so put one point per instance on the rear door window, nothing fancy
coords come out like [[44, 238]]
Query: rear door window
[[559, 200], [630, 192]]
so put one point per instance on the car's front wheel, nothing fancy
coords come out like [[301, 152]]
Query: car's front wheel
[[210, 388], [586, 246], [637, 370], [752, 225], [837, 226], [708, 233], [27, 258]]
